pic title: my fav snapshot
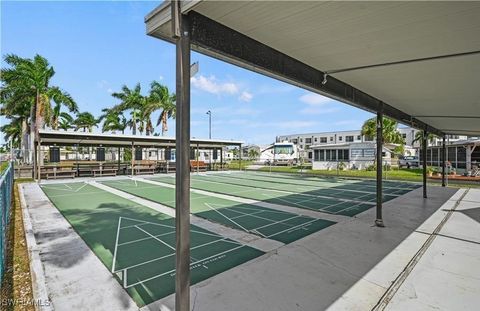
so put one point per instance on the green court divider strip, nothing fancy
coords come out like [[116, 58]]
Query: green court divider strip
[[282, 226], [327, 205], [137, 243]]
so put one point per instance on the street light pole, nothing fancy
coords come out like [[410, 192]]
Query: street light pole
[[209, 124]]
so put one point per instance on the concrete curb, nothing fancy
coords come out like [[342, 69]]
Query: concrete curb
[[39, 287]]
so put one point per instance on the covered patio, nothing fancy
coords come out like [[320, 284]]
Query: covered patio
[[415, 62], [120, 154]]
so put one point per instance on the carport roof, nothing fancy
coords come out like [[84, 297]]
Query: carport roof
[[63, 138], [420, 61]]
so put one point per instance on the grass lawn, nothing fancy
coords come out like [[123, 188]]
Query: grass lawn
[[392, 174], [17, 286], [236, 165]]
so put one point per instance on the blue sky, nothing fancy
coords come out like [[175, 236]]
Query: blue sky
[[96, 47]]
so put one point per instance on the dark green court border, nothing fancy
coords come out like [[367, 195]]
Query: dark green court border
[[300, 200], [143, 238], [281, 226]]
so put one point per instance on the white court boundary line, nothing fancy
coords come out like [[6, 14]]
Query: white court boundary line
[[196, 261]]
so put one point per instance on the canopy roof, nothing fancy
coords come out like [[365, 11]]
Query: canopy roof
[[419, 62], [63, 138]]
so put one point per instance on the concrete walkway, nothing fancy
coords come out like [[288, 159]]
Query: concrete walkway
[[427, 257]]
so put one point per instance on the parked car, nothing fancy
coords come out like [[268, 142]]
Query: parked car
[[408, 162]]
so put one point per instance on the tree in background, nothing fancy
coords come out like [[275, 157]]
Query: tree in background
[[27, 96], [161, 99], [419, 137], [133, 100], [390, 132], [253, 154], [85, 121], [65, 121], [113, 122]]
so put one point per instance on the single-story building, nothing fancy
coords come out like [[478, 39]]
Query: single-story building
[[347, 155]]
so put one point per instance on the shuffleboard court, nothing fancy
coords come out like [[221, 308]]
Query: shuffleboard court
[[389, 187], [323, 189], [137, 244], [268, 223], [300, 200]]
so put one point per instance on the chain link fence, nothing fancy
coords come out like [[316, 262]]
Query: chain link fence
[[6, 193]]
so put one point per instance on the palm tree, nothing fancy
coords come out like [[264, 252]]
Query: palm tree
[[26, 83], [85, 121], [419, 137], [113, 122], [65, 121], [159, 98], [390, 132], [253, 154], [13, 131], [131, 99]]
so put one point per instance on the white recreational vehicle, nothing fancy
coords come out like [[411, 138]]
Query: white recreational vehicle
[[284, 153]]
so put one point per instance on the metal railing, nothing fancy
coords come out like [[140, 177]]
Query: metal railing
[[6, 194]]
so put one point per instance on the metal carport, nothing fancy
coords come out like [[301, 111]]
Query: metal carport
[[416, 62]]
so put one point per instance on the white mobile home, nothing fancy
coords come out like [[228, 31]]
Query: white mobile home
[[347, 156]]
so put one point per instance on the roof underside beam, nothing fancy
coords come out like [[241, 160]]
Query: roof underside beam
[[214, 39]]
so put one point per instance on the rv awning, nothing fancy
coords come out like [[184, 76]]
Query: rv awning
[[62, 138], [419, 62]]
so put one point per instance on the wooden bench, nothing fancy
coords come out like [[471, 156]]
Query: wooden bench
[[198, 165], [144, 169], [167, 167], [54, 172], [105, 172]]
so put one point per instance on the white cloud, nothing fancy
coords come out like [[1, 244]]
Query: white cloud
[[245, 96], [211, 85], [313, 99]]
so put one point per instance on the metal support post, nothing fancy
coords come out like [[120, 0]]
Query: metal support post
[[379, 219], [182, 189], [444, 160], [424, 162]]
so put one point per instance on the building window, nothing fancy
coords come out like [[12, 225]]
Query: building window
[[359, 137], [368, 138], [323, 140], [316, 139], [322, 155], [340, 138], [316, 155], [369, 153], [330, 155], [294, 141], [404, 136], [331, 138], [343, 154], [349, 139], [301, 140], [308, 140], [310, 155], [357, 153]]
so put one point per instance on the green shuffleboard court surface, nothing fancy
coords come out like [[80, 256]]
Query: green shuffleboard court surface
[[368, 186], [268, 223], [330, 205], [323, 189], [137, 244]]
